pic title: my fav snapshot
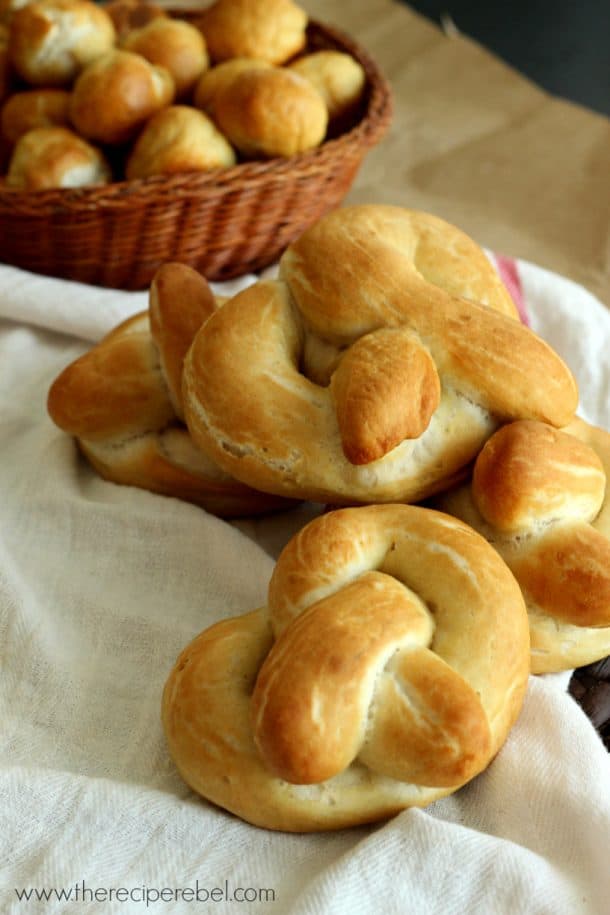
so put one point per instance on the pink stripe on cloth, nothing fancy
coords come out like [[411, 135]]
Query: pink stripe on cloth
[[509, 274]]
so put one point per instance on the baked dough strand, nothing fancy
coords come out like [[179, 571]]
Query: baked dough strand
[[374, 369], [385, 671]]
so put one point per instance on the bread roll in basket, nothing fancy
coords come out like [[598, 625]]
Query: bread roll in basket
[[224, 222]]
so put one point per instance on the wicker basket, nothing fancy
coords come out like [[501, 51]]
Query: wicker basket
[[223, 223]]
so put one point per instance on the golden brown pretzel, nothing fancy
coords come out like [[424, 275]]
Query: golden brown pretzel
[[372, 371], [539, 495], [386, 672], [122, 401]]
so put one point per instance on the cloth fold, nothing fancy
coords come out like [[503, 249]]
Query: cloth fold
[[101, 586]]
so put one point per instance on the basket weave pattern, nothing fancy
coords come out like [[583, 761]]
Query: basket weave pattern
[[223, 223]]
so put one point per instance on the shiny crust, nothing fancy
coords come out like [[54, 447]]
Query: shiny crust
[[403, 369], [260, 376], [213, 82], [179, 303], [386, 672], [5, 76], [540, 497], [52, 40], [272, 30], [24, 111], [178, 139], [114, 96], [178, 46], [47, 157], [271, 112], [529, 475], [116, 400], [132, 14], [339, 79], [8, 8]]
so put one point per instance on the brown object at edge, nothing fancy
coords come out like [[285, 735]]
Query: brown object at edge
[[590, 686]]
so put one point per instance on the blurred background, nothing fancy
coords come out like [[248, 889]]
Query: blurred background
[[564, 45]]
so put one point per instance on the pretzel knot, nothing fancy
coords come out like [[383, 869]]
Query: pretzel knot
[[374, 369], [539, 495], [398, 663], [122, 401]]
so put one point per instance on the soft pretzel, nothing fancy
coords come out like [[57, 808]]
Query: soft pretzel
[[122, 401], [540, 497], [386, 672], [372, 370]]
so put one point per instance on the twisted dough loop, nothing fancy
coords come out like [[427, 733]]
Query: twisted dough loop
[[403, 369], [122, 401], [310, 705], [386, 672], [539, 495], [381, 357]]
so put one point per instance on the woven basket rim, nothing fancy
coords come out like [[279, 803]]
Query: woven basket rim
[[362, 136]]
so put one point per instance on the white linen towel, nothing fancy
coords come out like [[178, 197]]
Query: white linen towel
[[101, 586]]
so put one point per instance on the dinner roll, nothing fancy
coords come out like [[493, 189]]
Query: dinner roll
[[214, 81], [273, 30], [338, 78], [132, 14], [115, 95], [48, 157], [52, 40], [6, 150], [34, 108], [175, 45], [8, 8], [271, 112], [178, 139], [5, 66]]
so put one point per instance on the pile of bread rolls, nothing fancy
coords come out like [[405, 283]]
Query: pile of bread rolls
[[91, 94], [385, 366]]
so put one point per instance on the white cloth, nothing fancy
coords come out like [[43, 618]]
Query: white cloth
[[101, 586]]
